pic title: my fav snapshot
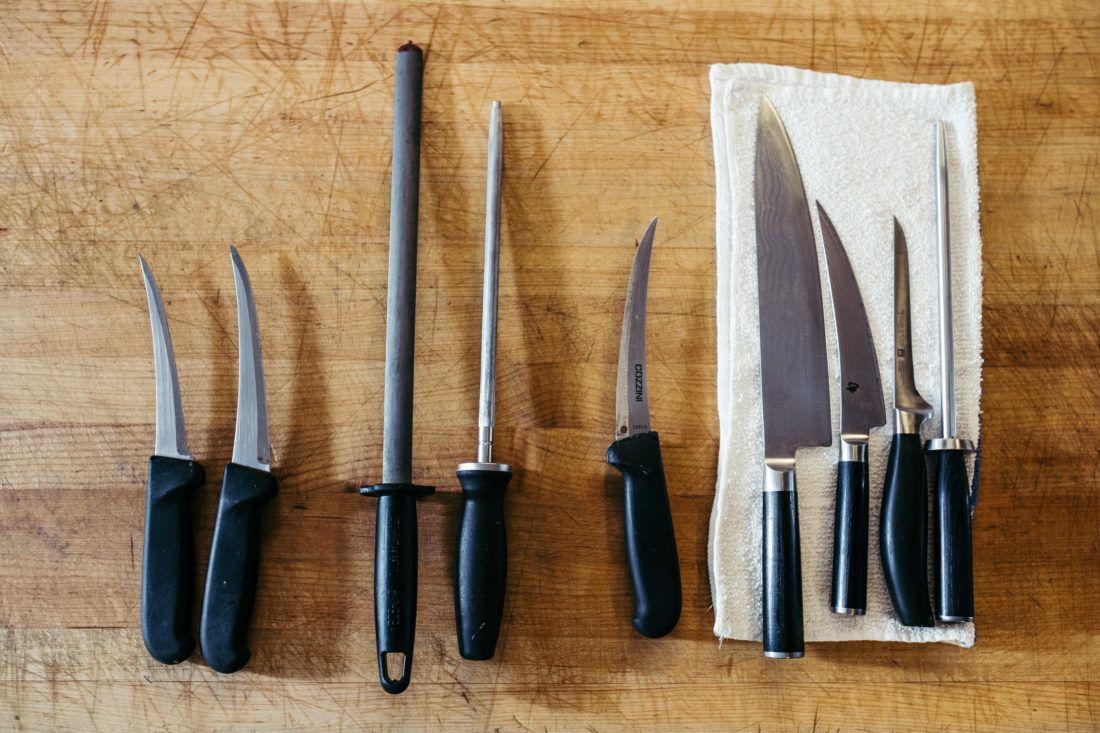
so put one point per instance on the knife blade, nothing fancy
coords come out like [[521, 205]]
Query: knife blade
[[636, 453], [233, 571], [395, 550], [953, 564], [861, 408], [168, 556], [793, 370], [481, 568], [903, 535]]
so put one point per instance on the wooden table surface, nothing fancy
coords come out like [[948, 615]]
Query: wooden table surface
[[175, 128]]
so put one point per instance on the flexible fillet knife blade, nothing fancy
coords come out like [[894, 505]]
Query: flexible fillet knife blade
[[903, 534], [168, 558], [395, 551], [953, 565], [481, 569], [636, 453], [861, 408], [247, 484], [794, 372]]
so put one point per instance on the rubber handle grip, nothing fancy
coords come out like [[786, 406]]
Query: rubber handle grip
[[954, 553], [903, 535], [234, 567], [395, 581], [168, 559], [481, 569], [650, 538], [849, 593], [782, 577]]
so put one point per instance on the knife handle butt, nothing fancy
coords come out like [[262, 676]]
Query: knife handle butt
[[954, 569], [395, 580], [782, 577], [849, 594], [481, 567], [168, 559], [903, 535], [234, 568], [650, 539]]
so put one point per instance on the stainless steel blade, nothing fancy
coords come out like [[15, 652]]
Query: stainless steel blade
[[631, 387], [251, 445], [794, 372], [861, 403], [171, 441], [907, 400], [491, 276]]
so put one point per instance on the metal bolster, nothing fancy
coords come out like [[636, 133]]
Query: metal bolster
[[908, 422], [483, 466], [959, 444], [853, 450], [779, 476]]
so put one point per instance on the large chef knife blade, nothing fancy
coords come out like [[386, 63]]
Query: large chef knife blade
[[794, 372], [861, 408]]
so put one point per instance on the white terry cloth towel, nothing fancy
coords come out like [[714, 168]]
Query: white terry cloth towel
[[865, 150]]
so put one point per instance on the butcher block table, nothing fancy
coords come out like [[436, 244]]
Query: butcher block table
[[174, 129]]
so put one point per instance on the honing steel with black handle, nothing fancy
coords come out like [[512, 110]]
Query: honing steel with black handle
[[481, 565], [903, 531], [232, 573], [953, 565], [168, 558], [395, 542], [861, 408], [636, 452]]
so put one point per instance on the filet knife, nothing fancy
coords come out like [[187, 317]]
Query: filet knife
[[861, 408], [395, 550], [636, 454], [953, 564], [793, 370], [168, 557], [903, 534], [233, 570], [481, 569]]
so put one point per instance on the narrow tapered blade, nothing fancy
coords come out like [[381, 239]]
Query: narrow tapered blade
[[251, 446], [861, 405], [631, 387], [906, 396], [171, 441], [793, 368]]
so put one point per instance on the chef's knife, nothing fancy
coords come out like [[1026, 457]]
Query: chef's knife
[[794, 373], [953, 565], [234, 566], [903, 536], [395, 551], [636, 453], [168, 559], [481, 568], [861, 408]]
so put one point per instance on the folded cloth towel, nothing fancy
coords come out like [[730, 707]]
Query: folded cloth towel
[[865, 150]]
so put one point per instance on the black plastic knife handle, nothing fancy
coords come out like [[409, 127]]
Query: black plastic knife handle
[[954, 553], [234, 567], [395, 578], [782, 577], [849, 593], [168, 559], [650, 539], [481, 568], [903, 535]]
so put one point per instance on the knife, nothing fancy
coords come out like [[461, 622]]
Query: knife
[[247, 484], [953, 565], [861, 408], [481, 570], [395, 551], [794, 373], [168, 558], [903, 536], [636, 453]]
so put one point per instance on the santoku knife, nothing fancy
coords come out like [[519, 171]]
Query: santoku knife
[[861, 408], [794, 372]]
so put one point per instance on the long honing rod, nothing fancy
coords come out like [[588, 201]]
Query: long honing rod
[[395, 551]]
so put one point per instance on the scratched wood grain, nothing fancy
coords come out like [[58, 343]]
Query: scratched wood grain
[[175, 128]]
